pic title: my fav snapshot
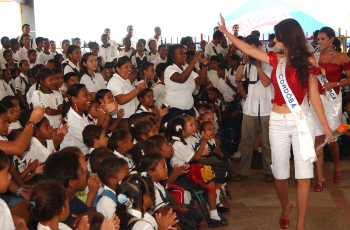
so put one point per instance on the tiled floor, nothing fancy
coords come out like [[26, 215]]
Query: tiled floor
[[255, 204]]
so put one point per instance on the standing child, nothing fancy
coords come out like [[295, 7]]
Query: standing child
[[153, 54], [93, 81], [22, 84], [121, 142], [140, 57], [46, 55], [7, 220], [46, 95], [111, 171], [73, 56], [23, 53], [127, 48]]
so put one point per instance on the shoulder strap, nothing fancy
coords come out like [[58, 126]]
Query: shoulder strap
[[75, 70], [107, 193], [172, 141], [132, 222], [26, 83]]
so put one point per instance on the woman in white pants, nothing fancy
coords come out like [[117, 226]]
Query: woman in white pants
[[293, 75]]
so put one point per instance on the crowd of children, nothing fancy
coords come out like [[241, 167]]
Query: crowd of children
[[86, 129]]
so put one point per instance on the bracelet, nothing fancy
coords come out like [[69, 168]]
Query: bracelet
[[136, 90], [242, 63], [19, 191], [32, 124]]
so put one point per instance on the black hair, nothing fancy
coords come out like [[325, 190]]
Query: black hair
[[47, 200], [72, 91], [31, 51], [57, 57], [214, 58], [97, 155], [171, 52], [46, 39], [100, 94], [4, 160], [223, 66], [3, 110], [190, 54], [252, 40], [235, 57], [38, 40], [122, 61], [83, 68], [315, 33], [110, 167], [7, 104], [149, 43], [70, 50], [290, 33], [160, 69], [141, 94], [142, 128], [336, 45], [143, 41], [13, 41], [158, 140], [217, 35], [255, 33], [25, 116], [117, 136], [134, 187], [67, 76], [24, 25], [64, 41], [123, 124], [62, 166], [42, 74], [204, 124], [150, 162], [144, 67], [140, 149], [4, 38], [14, 134], [272, 36], [161, 46], [331, 34], [21, 62], [6, 52], [57, 63], [90, 133], [156, 28], [134, 119], [92, 45], [185, 40], [76, 39], [175, 128], [56, 70]]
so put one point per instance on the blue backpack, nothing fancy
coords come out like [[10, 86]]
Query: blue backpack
[[107, 193]]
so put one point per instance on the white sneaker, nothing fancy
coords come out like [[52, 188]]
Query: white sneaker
[[236, 155]]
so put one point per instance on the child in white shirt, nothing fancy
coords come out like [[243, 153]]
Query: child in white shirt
[[152, 54], [22, 84], [32, 56], [162, 51], [73, 55]]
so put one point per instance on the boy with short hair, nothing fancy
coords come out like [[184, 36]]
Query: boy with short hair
[[45, 55], [94, 137], [106, 51], [32, 55], [214, 61]]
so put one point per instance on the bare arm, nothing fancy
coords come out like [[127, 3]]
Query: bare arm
[[122, 99], [265, 80], [183, 77]]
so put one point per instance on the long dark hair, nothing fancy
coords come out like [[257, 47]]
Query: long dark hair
[[290, 33], [171, 52], [83, 69], [329, 32]]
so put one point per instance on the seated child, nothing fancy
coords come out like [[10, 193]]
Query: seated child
[[144, 130], [94, 137], [121, 142], [13, 115], [111, 171], [65, 167]]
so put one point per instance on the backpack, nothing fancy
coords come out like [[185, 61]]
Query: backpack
[[107, 193]]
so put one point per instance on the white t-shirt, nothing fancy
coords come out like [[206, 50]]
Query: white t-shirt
[[213, 77], [15, 125], [127, 158], [23, 54], [151, 56], [5, 89], [226, 90], [158, 60], [159, 93], [312, 48], [106, 206], [257, 93], [61, 226], [5, 216], [52, 100], [74, 137], [179, 95], [159, 203], [147, 223], [182, 153], [69, 68], [123, 53], [210, 51], [133, 59], [117, 85], [93, 84], [43, 58], [20, 83], [108, 53], [39, 151], [29, 94]]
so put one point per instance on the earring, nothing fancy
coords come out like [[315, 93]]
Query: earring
[[331, 50]]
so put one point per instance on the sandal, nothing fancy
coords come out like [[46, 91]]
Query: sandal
[[337, 177], [318, 187], [284, 223]]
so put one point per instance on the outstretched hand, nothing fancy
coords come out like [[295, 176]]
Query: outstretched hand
[[222, 24]]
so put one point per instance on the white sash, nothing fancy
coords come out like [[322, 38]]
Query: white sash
[[306, 141]]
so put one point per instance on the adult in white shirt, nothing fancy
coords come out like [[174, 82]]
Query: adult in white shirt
[[5, 42], [214, 47], [313, 45], [121, 88], [157, 33], [45, 55], [256, 111], [130, 34], [111, 41], [180, 82], [271, 46], [107, 51], [79, 99], [93, 81]]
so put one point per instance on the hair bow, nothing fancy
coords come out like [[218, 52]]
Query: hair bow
[[178, 127], [144, 174], [122, 199]]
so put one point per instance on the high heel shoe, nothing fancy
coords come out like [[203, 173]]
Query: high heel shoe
[[318, 187], [337, 177], [284, 223]]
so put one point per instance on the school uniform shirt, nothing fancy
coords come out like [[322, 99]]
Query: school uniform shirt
[[179, 95], [52, 100], [43, 58], [15, 56], [159, 93], [133, 59], [93, 84], [118, 85], [147, 222], [159, 42], [29, 94], [213, 77], [61, 226], [158, 60], [74, 137], [5, 89], [312, 48], [20, 83], [127, 158], [123, 53], [159, 203], [108, 53], [31, 65], [268, 49], [226, 90], [106, 206], [113, 43], [39, 151], [15, 125], [151, 56], [5, 216], [142, 109], [258, 94], [23, 54], [183, 153], [2, 59], [69, 68], [210, 51], [133, 41]]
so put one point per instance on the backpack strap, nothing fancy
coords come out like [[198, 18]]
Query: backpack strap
[[26, 83], [75, 70], [107, 193], [132, 222]]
